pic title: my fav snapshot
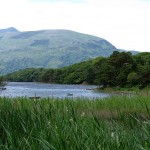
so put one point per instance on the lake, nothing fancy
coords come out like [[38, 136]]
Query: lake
[[30, 89]]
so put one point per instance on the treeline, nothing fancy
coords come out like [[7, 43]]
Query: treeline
[[121, 69]]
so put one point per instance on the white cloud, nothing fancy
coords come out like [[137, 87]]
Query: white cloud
[[70, 1], [124, 23]]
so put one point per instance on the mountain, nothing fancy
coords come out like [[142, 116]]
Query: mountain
[[8, 30], [48, 48], [134, 52]]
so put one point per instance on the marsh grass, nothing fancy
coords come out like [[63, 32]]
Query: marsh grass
[[115, 123]]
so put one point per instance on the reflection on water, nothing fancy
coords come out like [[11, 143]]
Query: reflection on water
[[29, 89]]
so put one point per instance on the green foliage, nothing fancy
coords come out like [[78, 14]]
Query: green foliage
[[119, 70], [132, 78], [114, 70], [2, 83], [103, 72], [143, 68]]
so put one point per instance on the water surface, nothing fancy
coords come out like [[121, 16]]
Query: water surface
[[30, 89]]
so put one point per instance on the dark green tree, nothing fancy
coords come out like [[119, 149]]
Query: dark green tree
[[2, 81], [144, 73], [113, 71]]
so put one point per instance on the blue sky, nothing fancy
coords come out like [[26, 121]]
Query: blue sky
[[124, 23]]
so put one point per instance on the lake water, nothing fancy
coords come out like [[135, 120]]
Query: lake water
[[30, 89]]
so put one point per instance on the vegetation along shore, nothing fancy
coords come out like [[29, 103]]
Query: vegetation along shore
[[121, 69], [120, 122], [113, 123]]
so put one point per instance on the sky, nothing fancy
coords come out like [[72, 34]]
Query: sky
[[124, 23]]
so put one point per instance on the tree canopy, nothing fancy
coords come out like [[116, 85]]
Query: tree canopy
[[121, 69]]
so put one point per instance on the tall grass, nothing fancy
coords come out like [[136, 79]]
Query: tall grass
[[116, 123]]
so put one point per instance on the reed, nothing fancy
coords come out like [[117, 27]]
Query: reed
[[115, 123]]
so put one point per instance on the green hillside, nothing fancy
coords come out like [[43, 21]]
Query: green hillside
[[48, 49]]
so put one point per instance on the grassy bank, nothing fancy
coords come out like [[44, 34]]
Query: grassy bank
[[133, 90], [115, 123]]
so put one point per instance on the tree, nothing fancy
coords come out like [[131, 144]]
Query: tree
[[144, 73], [104, 73], [2, 83], [132, 79], [123, 64], [89, 74], [113, 71]]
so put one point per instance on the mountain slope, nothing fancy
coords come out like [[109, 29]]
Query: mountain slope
[[11, 29], [48, 48]]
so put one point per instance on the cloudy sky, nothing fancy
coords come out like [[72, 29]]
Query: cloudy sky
[[124, 23]]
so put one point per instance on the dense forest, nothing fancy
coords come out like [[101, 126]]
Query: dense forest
[[121, 69]]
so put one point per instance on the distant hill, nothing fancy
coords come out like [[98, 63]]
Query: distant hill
[[134, 52], [48, 49], [8, 30]]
